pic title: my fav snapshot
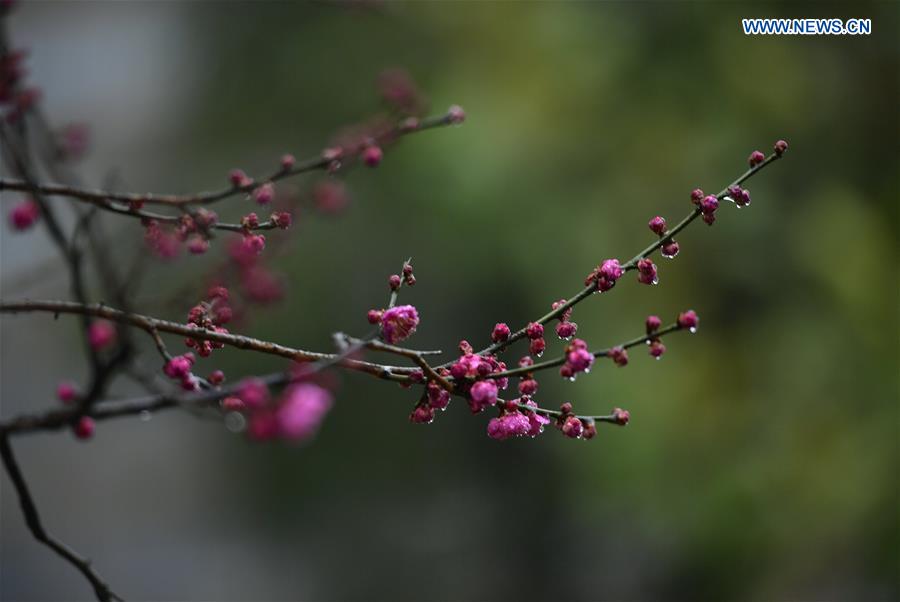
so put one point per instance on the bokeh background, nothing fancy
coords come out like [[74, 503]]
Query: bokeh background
[[762, 457]]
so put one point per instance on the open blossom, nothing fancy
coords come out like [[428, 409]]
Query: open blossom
[[302, 410], [398, 323], [510, 424], [482, 394]]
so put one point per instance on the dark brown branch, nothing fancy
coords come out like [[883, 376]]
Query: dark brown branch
[[33, 521]]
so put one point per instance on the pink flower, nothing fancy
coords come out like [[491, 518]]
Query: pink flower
[[510, 424], [536, 421], [24, 215], [253, 392], [482, 394], [580, 360], [101, 334], [302, 410], [398, 323]]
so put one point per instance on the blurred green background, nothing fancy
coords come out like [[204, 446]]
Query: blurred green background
[[762, 457]]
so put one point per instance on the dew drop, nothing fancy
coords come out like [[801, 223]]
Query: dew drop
[[655, 281], [693, 329], [539, 354], [145, 416]]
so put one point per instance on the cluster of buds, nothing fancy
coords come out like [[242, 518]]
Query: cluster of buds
[[407, 277], [239, 179], [658, 226], [209, 315], [572, 426], [295, 415], [193, 229], [515, 420], [578, 359], [180, 368], [565, 329], [604, 276], [657, 348], [740, 196], [471, 374], [647, 271], [535, 333]]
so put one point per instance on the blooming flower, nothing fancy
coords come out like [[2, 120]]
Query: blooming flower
[[302, 409], [482, 394], [398, 323]]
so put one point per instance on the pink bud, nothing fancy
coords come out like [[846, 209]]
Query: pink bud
[[287, 161], [264, 194], [372, 155], [657, 225], [456, 115], [66, 392], [84, 428], [756, 158], [780, 147], [689, 320], [501, 332], [101, 334], [653, 323]]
